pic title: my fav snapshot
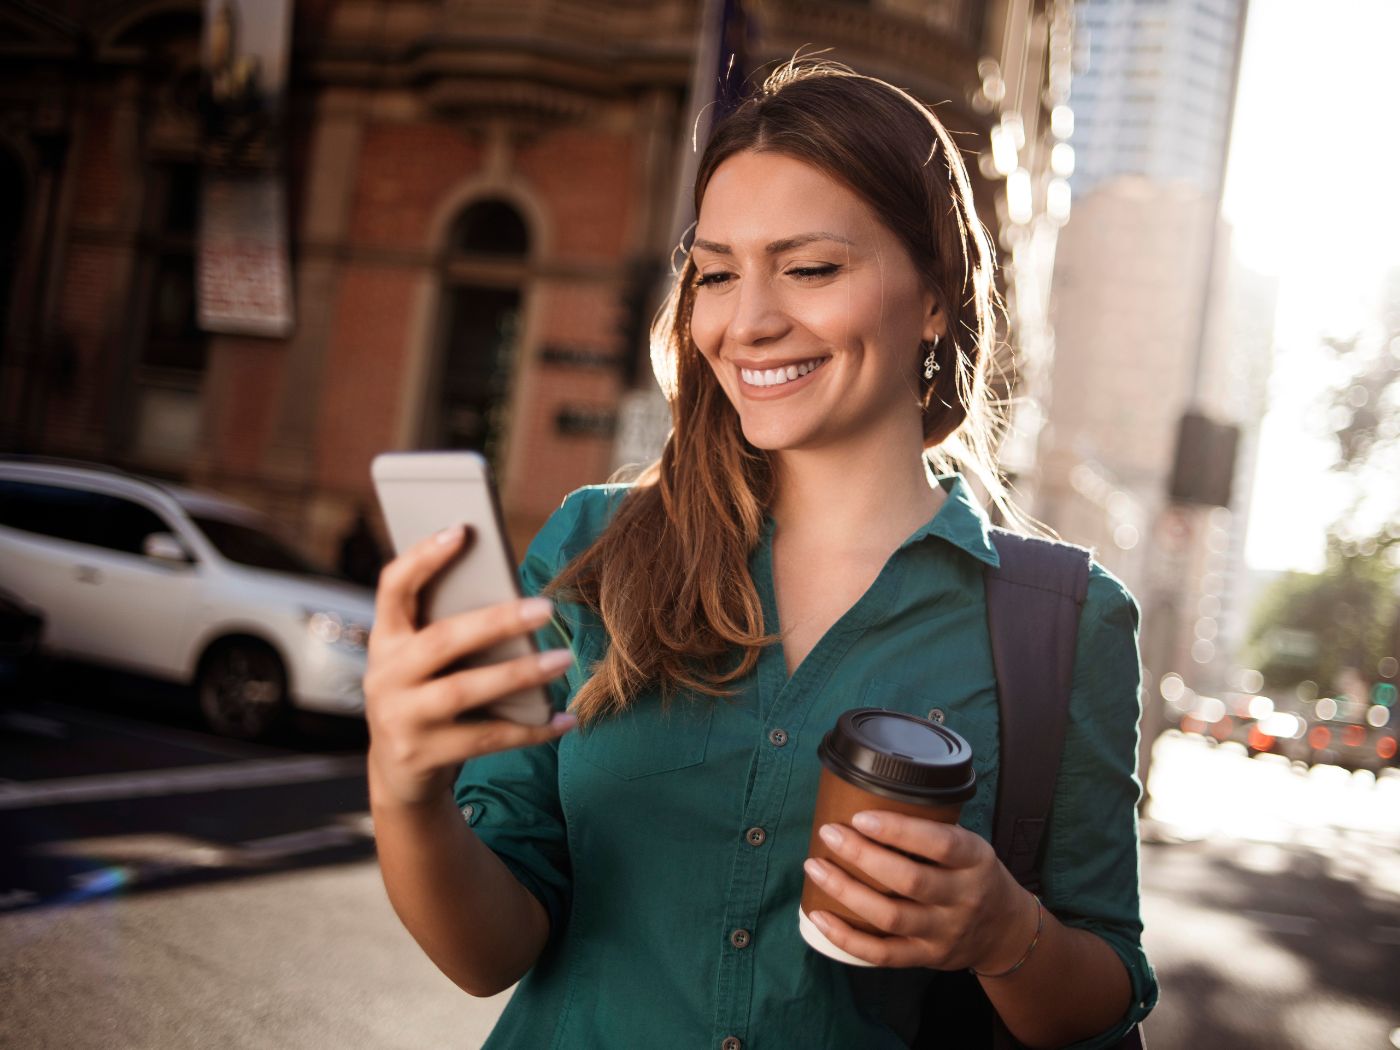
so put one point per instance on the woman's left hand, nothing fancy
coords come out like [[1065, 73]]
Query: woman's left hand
[[957, 907]]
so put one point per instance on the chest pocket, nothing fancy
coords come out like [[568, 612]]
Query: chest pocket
[[645, 740]]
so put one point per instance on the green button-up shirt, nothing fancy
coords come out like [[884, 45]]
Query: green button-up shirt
[[652, 839]]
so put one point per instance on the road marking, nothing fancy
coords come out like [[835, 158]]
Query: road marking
[[17, 899], [225, 776], [1301, 925], [156, 858], [165, 734], [34, 725]]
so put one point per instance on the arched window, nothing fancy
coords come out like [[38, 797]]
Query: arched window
[[482, 290], [490, 227]]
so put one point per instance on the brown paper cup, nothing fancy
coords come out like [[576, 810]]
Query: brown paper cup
[[866, 762]]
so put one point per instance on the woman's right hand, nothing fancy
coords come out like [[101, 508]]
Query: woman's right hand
[[416, 745]]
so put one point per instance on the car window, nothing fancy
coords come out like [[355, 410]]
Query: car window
[[125, 526], [52, 510], [246, 545]]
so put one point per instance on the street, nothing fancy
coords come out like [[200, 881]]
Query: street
[[165, 888]]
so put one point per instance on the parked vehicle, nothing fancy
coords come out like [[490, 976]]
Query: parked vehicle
[[165, 581], [21, 627], [1341, 732]]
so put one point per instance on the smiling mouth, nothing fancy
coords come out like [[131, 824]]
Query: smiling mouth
[[778, 376]]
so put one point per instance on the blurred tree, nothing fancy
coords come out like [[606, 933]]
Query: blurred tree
[[1310, 627], [1360, 412]]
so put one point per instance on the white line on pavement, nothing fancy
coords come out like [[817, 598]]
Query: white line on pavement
[[224, 776]]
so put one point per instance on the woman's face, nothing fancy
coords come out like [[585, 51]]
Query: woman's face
[[808, 308]]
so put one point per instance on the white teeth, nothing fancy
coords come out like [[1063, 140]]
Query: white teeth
[[778, 376]]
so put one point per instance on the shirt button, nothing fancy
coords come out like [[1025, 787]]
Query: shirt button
[[936, 716], [739, 938], [732, 1043], [468, 812], [777, 737], [755, 836]]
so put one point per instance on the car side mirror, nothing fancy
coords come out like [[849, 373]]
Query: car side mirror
[[164, 547]]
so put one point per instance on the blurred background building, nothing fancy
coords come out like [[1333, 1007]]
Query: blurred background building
[[445, 229], [1153, 324]]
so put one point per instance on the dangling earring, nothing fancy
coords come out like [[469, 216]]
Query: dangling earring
[[931, 364]]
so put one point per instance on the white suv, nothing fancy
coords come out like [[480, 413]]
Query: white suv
[[182, 585]]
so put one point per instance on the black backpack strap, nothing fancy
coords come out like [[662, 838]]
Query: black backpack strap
[[1033, 605]]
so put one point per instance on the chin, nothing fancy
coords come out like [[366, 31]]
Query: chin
[[774, 438]]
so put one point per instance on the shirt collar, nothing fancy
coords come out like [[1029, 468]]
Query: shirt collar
[[961, 521]]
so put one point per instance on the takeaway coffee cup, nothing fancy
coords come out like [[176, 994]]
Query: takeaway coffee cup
[[887, 760]]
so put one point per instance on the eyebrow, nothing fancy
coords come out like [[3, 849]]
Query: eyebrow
[[774, 247]]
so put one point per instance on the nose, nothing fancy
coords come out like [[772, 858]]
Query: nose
[[758, 315]]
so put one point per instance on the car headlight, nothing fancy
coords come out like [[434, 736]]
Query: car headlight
[[337, 629]]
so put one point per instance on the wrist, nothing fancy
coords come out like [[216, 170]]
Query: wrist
[[419, 798], [1019, 941]]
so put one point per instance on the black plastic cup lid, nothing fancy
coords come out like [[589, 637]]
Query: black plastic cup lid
[[899, 756]]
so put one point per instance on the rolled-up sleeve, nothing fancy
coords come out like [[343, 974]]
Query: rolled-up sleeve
[[1091, 863], [511, 798]]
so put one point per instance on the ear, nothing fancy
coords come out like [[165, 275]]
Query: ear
[[935, 319]]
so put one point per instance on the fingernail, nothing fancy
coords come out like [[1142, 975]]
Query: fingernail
[[815, 869], [448, 534], [820, 919], [536, 610], [563, 720], [831, 835], [552, 661], [867, 822]]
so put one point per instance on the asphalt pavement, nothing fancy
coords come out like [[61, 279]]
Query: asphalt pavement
[[161, 887]]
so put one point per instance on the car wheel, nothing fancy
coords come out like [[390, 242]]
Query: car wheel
[[242, 689]]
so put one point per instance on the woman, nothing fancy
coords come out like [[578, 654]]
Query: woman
[[785, 560]]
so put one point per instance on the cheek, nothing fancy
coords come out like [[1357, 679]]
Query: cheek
[[706, 327], [853, 316]]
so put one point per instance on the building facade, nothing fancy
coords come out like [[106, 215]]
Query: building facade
[[473, 191], [1153, 320], [1153, 95]]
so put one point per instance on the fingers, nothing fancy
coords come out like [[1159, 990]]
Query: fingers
[[416, 767], [451, 695], [456, 744], [396, 597], [893, 915], [440, 644], [947, 845], [880, 951], [915, 879]]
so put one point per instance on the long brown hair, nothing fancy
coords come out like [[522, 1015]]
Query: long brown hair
[[669, 576]]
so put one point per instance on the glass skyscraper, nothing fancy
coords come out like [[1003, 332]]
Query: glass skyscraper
[[1151, 91]]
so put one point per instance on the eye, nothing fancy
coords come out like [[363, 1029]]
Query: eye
[[710, 280], [811, 273]]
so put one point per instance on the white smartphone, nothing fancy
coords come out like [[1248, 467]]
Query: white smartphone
[[423, 492]]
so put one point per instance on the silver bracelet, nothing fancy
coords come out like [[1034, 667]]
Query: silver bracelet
[[1039, 925]]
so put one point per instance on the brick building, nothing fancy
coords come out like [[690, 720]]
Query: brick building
[[476, 192]]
